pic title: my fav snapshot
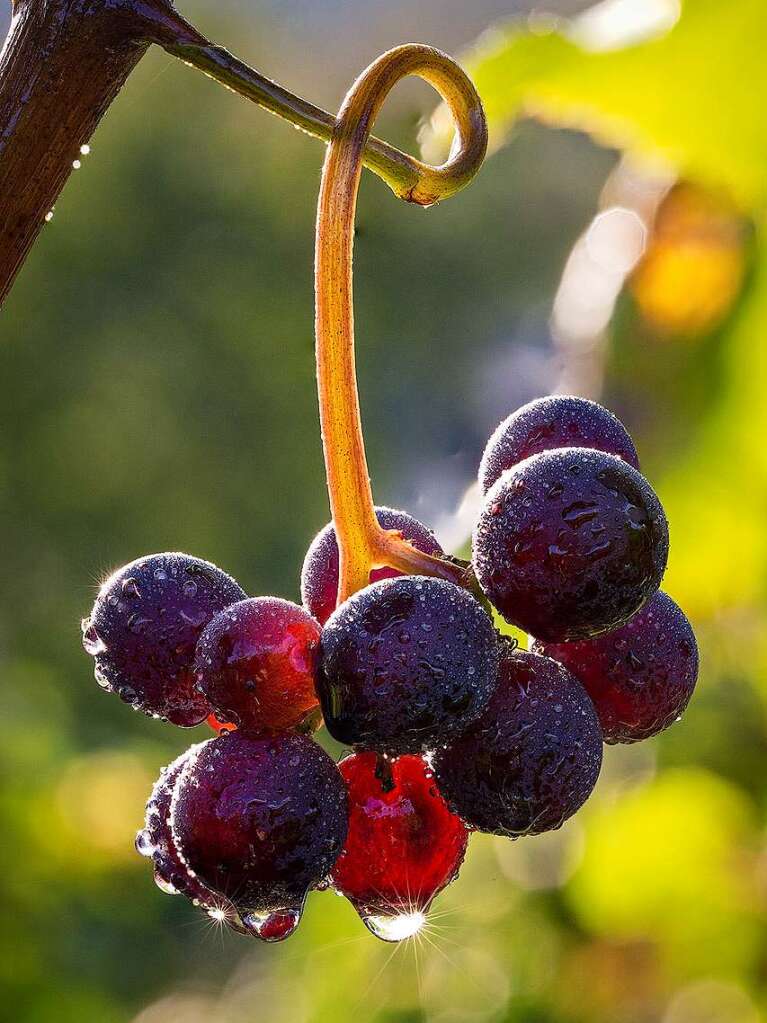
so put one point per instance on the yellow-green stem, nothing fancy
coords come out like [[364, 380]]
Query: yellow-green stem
[[363, 544]]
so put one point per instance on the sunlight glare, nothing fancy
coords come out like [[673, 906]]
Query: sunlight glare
[[396, 928]]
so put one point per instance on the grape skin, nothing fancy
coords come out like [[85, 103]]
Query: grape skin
[[570, 543], [405, 664], [558, 421], [256, 663], [260, 819], [319, 575], [641, 676], [144, 627], [533, 757]]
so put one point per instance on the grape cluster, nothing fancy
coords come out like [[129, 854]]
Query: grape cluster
[[450, 726]]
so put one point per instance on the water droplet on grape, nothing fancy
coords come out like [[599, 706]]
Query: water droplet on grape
[[93, 643], [274, 926], [163, 885], [144, 845], [394, 928]]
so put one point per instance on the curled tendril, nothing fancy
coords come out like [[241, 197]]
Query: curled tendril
[[363, 544], [409, 178]]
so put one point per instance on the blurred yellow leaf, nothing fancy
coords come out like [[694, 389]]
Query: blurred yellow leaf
[[693, 270]]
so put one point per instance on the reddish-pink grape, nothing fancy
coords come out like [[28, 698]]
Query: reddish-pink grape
[[641, 676], [319, 575], [404, 845], [256, 663]]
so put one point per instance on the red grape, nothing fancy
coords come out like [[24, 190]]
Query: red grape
[[641, 676], [404, 845], [256, 664], [319, 575]]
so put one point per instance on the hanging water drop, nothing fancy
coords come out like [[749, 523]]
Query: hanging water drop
[[93, 643], [274, 926], [164, 885], [395, 928]]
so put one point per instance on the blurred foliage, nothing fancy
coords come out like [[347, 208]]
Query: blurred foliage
[[156, 363], [692, 96], [693, 270]]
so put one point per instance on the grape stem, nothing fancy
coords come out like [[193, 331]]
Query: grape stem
[[362, 543]]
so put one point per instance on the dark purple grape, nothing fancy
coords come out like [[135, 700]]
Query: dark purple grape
[[155, 841], [533, 757], [319, 575], [570, 543], [256, 663], [559, 421], [144, 627], [261, 819], [405, 664], [641, 676]]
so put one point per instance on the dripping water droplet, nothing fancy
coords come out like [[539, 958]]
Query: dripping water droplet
[[164, 885], [274, 926], [395, 928]]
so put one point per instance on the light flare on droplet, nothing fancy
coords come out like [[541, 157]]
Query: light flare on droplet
[[395, 928]]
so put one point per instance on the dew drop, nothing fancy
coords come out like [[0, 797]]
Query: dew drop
[[93, 643], [101, 679], [144, 845], [272, 926], [164, 885], [130, 588]]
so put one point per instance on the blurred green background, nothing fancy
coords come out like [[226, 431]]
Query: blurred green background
[[157, 393]]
